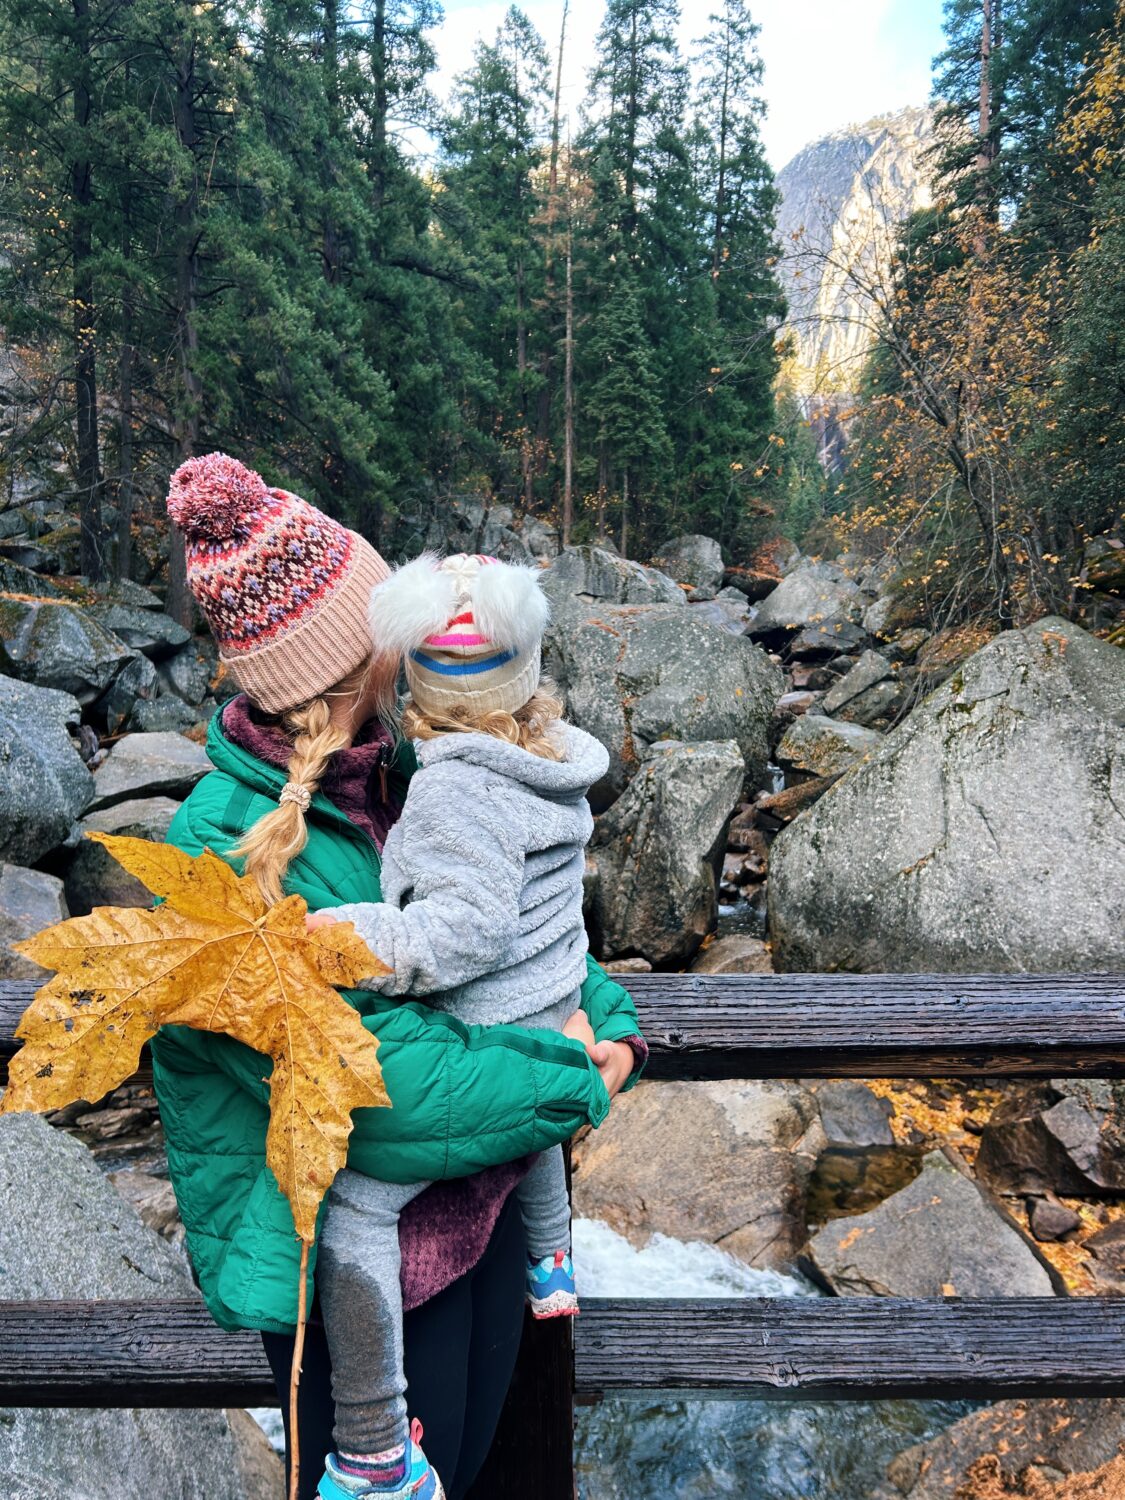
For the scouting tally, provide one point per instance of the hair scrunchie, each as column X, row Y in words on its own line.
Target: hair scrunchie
column 293, row 791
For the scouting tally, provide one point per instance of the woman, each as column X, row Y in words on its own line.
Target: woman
column 307, row 781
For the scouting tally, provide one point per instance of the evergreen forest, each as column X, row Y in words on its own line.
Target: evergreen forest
column 218, row 229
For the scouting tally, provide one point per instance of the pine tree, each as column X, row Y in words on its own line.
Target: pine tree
column 966, row 83
column 410, row 294
column 796, row 488
column 556, row 308
column 623, row 436
column 1047, row 48
column 292, row 324
column 56, row 90
column 491, row 151
column 641, row 256
column 1004, row 80
column 191, row 60
column 737, row 362
column 636, row 79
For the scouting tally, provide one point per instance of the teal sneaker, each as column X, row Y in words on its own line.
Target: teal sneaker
column 421, row 1482
column 550, row 1286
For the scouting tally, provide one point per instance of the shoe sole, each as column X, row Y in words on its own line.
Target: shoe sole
column 557, row 1305
column 439, row 1493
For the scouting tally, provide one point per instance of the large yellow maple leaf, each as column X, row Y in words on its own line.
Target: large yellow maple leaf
column 214, row 956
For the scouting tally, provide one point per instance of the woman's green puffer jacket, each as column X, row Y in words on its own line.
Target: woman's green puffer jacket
column 462, row 1097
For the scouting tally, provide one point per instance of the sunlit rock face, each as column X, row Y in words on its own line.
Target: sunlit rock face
column 843, row 200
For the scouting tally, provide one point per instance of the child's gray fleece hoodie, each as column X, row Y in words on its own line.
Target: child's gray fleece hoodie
column 482, row 879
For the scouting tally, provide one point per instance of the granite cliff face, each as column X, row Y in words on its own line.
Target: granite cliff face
column 843, row 199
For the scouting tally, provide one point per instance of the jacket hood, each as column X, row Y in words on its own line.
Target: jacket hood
column 586, row 760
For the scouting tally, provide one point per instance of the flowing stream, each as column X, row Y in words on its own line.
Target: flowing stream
column 640, row 1449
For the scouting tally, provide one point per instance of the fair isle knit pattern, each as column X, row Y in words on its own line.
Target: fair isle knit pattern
column 266, row 580
column 283, row 586
column 484, row 655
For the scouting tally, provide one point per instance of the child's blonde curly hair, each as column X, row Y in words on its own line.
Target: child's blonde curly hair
column 534, row 727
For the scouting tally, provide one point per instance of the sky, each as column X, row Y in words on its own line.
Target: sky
column 828, row 63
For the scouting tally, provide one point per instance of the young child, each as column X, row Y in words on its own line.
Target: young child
column 482, row 914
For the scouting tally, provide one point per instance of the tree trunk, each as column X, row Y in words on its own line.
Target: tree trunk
column 332, row 56
column 91, row 548
column 603, row 487
column 633, row 111
column 720, row 190
column 125, row 390
column 625, row 514
column 186, row 421
column 330, row 250
column 547, row 362
column 379, row 104
column 568, row 385
column 526, row 469
column 984, row 121
column 125, row 439
column 986, row 145
column 977, row 487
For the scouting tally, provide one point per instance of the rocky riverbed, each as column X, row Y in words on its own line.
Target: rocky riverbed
column 801, row 778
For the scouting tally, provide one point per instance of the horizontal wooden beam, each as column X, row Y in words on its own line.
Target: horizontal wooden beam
column 117, row 1353
column 852, row 1025
column 842, row 1348
column 831, row 1348
column 881, row 1025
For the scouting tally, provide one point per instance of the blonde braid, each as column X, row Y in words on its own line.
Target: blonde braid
column 276, row 839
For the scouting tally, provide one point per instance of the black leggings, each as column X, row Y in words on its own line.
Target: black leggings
column 461, row 1349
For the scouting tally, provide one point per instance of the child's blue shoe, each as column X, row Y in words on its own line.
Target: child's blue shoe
column 421, row 1483
column 550, row 1286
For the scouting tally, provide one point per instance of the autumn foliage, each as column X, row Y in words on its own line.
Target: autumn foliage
column 988, row 448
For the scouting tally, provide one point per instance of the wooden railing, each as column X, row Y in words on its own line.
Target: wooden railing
column 699, row 1027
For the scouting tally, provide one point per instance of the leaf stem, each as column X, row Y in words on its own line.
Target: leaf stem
column 295, row 1375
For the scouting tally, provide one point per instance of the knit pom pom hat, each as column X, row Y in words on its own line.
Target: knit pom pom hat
column 469, row 629
column 283, row 586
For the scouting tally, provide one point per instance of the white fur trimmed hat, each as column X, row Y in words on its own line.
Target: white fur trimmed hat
column 468, row 627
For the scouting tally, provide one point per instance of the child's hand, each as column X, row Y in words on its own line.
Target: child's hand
column 315, row 919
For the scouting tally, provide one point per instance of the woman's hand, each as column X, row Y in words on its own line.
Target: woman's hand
column 580, row 1029
column 613, row 1060
column 315, row 919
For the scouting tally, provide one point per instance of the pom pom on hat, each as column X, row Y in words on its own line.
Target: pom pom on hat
column 468, row 628
column 213, row 498
column 510, row 606
column 414, row 602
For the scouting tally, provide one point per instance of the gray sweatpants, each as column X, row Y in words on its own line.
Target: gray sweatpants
column 359, row 1284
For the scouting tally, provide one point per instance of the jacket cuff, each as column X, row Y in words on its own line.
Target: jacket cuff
column 640, row 1057
column 599, row 1098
